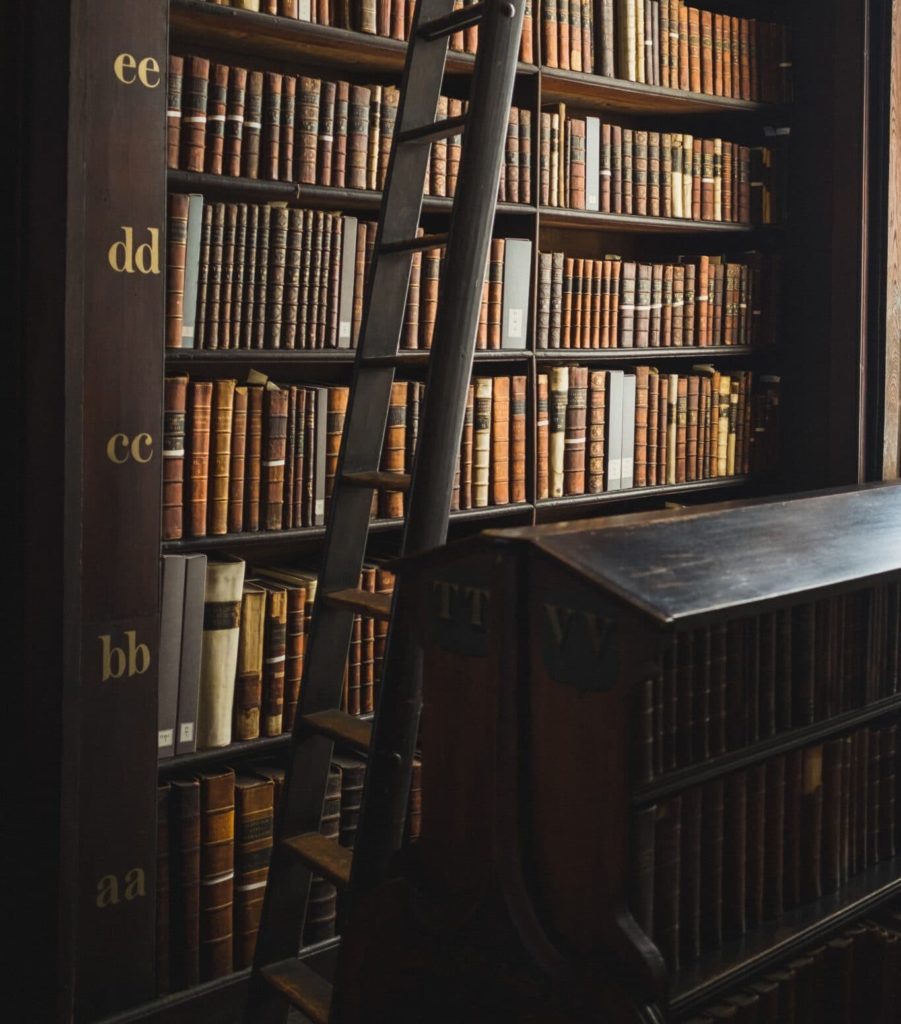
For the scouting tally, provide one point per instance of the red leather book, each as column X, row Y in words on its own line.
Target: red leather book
column 642, row 378
column 217, row 864
column 706, row 54
column 653, row 426
column 337, row 411
column 500, row 442
column 518, row 428
column 173, row 110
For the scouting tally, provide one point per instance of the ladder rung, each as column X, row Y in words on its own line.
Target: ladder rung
column 434, row 132
column 325, row 856
column 450, row 23
column 338, row 725
column 415, row 244
column 303, row 987
column 364, row 601
column 379, row 480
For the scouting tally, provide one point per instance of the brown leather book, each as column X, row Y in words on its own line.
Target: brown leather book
column 321, row 907
column 353, row 771
column 217, row 865
column 325, row 142
column 174, row 110
column 275, row 274
column 542, row 423
column 667, row 880
column 184, row 884
column 234, row 121
column 275, row 658
column 308, row 115
column 640, row 172
column 642, row 379
column 500, row 441
column 414, row 806
column 684, row 60
column 391, row 503
column 275, row 425
column 575, row 429
column 253, row 125
column 261, row 278
column 653, row 426
column 229, row 229
column 831, row 855
column 251, row 650
column 518, row 427
column 214, row 278
column 220, row 455
column 253, row 458
column 248, row 303
column 287, row 119
column 495, row 292
column 735, row 855
column 358, row 136
column 543, row 318
column 253, row 850
column 195, row 92
column 627, row 165
column 176, row 391
column 340, row 131
column 410, row 339
column 681, row 428
column 163, row 894
column 337, row 410
column 200, row 410
column 216, row 112
column 176, row 240
column 663, row 404
column 693, row 878
column 811, row 823
column 874, row 795
column 758, row 798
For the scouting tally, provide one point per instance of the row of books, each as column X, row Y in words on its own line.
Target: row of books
column 585, row 164
column 695, row 300
column 718, row 860
column 247, row 275
column 393, row 19
column 263, row 457
column 727, row 686
column 668, row 43
column 232, row 647
column 608, row 430
column 279, row 127
column 849, row 977
column 214, row 843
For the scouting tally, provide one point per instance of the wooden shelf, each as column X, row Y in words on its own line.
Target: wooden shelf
column 247, row 748
column 324, row 197
column 266, row 35
column 275, row 538
column 616, row 94
column 633, row 493
column 557, row 217
column 696, row 775
column 604, row 355
column 258, row 356
column 737, row 960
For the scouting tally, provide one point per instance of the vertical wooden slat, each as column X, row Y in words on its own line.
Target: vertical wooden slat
column 891, row 441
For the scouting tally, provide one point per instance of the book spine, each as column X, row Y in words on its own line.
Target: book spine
column 518, row 430
column 184, row 934
column 574, row 433
column 217, row 851
column 174, row 110
column 253, row 850
column 249, row 678
column 176, row 391
column 542, row 421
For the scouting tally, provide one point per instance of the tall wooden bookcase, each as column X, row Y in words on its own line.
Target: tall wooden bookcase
column 88, row 77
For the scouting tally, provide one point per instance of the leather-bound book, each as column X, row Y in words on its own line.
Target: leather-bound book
column 169, row 657
column 736, row 58
column 394, row 448
column 792, row 859
column 184, row 884
column 337, row 410
column 518, row 422
column 274, row 659
column 642, row 378
column 195, row 89
column 887, row 816
column 173, row 110
column 653, row 425
column 340, row 132
column 162, row 889
column 832, row 811
column 220, row 455
column 176, row 242
column 542, row 425
column 326, row 129
column 217, row 872
column 642, row 840
column 248, row 286
column 667, row 880
column 758, row 804
column 693, row 878
column 640, row 173
column 271, row 131
column 684, row 697
column 275, row 425
column 559, row 391
column 234, row 121
column 627, row 165
column 261, row 278
column 500, row 441
column 574, row 431
column 358, row 136
column 286, row 128
column 662, row 426
column 217, row 104
column 254, row 811
column 275, row 274
column 735, row 855
column 308, row 128
column 200, row 409
column 812, row 823
column 413, row 827
column 236, row 279
column 525, row 155
column 253, row 124
column 321, row 907
column 221, row 622
column 681, row 429
column 249, row 678
column 253, row 458
column 353, row 771
column 237, row 463
column 706, row 52
column 212, row 337
column 874, row 795
column 774, row 837
column 176, row 390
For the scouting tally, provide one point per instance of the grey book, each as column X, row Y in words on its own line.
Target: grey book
column 348, row 274
column 192, row 269
column 319, row 434
column 627, row 436
column 615, row 388
column 517, row 275
column 191, row 650
column 169, row 665
column 592, row 163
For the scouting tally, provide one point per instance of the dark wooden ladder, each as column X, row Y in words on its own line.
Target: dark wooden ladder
column 279, row 978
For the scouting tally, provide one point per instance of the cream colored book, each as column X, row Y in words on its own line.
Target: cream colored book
column 219, row 655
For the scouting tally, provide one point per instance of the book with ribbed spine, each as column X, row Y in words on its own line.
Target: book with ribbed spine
column 254, row 816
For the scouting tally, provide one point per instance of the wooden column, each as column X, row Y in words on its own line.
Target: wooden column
column 891, row 409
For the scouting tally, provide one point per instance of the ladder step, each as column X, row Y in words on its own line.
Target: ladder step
column 324, row 856
column 434, row 132
column 376, row 605
column 379, row 480
column 450, row 23
column 303, row 988
column 338, row 725
column 415, row 244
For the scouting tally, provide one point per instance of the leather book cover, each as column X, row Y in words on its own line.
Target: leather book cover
column 163, row 894
column 184, row 884
column 274, row 660
column 662, row 427
column 812, row 823
column 642, row 376
column 394, row 448
column 200, row 408
column 176, row 244
column 745, row 58
column 628, row 170
column 542, row 423
column 640, row 48
column 321, row 907
column 248, row 287
column 308, row 117
column 253, row 458
column 616, row 167
column 685, row 49
column 249, row 677
column 663, row 64
column 287, row 117
column 337, row 411
column 326, row 132
column 640, row 172
column 410, row 338
column 220, row 455
column 176, row 390
column 495, row 292
column 627, row 293
column 253, row 850
column 832, row 812
column 675, row 45
column 275, row 273
column 173, row 110
column 693, row 879
column 559, row 392
column 500, row 442
column 574, row 433
column 190, row 657
column 358, row 132
column 275, row 425
column 374, row 140
column 518, row 422
column 169, row 657
column 667, row 880
column 353, row 771
column 216, row 111
column 642, row 305
column 576, row 62
column 236, row 276
column 654, row 48
column 253, row 125
column 352, row 675
column 653, row 425
column 706, row 53
column 643, row 850
column 234, row 121
column 758, row 802
column 219, row 657
column 217, row 872
column 735, row 855
column 654, row 174
column 195, row 90
column 543, row 315
column 212, row 338
column 693, row 385
column 340, row 131
column 681, row 428
column 261, row 278
column 292, row 275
